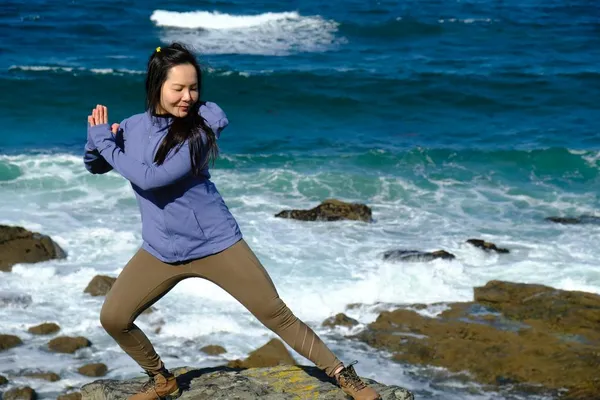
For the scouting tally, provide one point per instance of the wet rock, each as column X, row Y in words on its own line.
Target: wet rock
column 512, row 334
column 13, row 299
column 93, row 370
column 23, row 393
column 3, row 380
column 416, row 256
column 582, row 219
column 18, row 245
column 271, row 354
column 340, row 319
column 65, row 344
column 70, row 396
column 276, row 383
column 47, row 328
column 330, row 210
column 213, row 350
column 9, row 341
column 46, row 376
column 100, row 285
column 487, row 246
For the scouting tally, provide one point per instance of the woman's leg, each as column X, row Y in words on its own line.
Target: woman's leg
column 143, row 281
column 240, row 273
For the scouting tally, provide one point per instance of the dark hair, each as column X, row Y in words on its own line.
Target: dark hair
column 192, row 127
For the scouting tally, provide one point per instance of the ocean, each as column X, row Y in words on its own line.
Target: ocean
column 450, row 119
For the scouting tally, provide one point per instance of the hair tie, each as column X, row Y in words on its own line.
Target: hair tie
column 158, row 49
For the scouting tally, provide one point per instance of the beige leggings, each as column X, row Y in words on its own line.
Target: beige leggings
column 145, row 279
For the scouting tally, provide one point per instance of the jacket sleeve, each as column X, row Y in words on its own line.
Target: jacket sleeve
column 93, row 161
column 177, row 165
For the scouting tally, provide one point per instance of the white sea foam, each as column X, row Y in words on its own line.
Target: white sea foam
column 267, row 34
column 319, row 268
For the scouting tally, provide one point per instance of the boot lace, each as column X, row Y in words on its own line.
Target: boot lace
column 348, row 377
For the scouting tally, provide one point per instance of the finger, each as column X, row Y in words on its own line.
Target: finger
column 105, row 115
column 95, row 115
column 90, row 120
column 100, row 117
column 114, row 128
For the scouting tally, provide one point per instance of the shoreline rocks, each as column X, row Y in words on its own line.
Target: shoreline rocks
column 330, row 210
column 511, row 334
column 18, row 245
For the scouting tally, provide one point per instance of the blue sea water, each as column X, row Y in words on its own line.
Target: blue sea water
column 450, row 119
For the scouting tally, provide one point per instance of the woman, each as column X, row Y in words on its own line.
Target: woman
column 187, row 229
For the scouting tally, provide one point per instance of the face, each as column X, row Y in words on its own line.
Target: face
column 180, row 91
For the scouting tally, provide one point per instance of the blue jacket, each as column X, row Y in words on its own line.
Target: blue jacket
column 183, row 216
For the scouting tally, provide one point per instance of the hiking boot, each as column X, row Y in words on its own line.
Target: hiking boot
column 161, row 386
column 352, row 385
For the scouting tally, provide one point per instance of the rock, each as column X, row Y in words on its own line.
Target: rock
column 70, row 396
column 46, row 376
column 276, row 383
column 100, row 285
column 3, row 380
column 582, row 219
column 330, row 210
column 9, row 341
column 213, row 350
column 340, row 319
column 271, row 354
column 65, row 344
column 23, row 393
column 18, row 245
column 512, row 334
column 47, row 328
column 487, row 246
column 415, row 255
column 13, row 299
column 93, row 370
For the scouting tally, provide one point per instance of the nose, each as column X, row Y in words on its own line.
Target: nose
column 187, row 96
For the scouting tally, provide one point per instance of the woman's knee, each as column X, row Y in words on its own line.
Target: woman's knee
column 113, row 320
column 275, row 315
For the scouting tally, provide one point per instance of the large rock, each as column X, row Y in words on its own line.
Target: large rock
column 417, row 256
column 94, row 370
column 65, row 344
column 3, row 380
column 100, row 285
column 516, row 334
column 70, row 396
column 21, row 393
column 46, row 376
column 330, row 210
column 276, row 383
column 47, row 328
column 271, row 354
column 213, row 350
column 18, row 245
column 9, row 341
column 340, row 319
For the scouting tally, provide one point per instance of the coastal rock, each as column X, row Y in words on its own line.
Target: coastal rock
column 18, row 245
column 416, row 256
column 518, row 334
column 100, row 285
column 3, row 380
column 213, row 350
column 340, row 319
column 65, row 344
column 487, row 246
column 47, row 328
column 582, row 219
column 9, row 341
column 70, row 396
column 330, row 210
column 46, row 376
column 93, row 370
column 22, row 393
column 271, row 354
column 276, row 383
